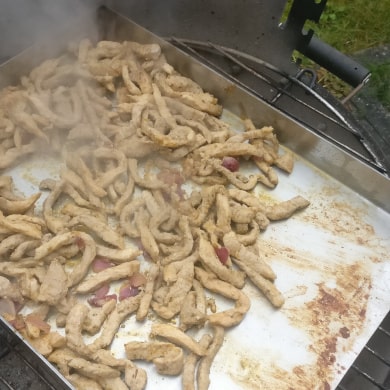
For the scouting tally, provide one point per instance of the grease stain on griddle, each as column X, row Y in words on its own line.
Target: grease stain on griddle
column 340, row 216
column 333, row 317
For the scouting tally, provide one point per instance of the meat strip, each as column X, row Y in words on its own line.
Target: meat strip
column 118, row 272
column 178, row 337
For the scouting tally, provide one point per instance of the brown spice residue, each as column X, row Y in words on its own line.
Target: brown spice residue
column 344, row 332
column 335, row 314
column 332, row 321
column 342, row 219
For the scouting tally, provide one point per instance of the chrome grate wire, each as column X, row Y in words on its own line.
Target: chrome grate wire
column 279, row 84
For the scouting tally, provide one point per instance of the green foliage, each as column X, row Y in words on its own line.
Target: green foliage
column 352, row 26
column 380, row 82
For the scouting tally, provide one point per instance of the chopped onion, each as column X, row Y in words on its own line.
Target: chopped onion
column 36, row 321
column 99, row 302
column 137, row 280
column 18, row 322
column 102, row 291
column 7, row 307
column 223, row 254
column 100, row 264
column 127, row 292
column 231, row 163
column 80, row 243
column 171, row 177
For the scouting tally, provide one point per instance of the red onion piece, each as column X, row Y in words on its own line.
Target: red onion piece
column 80, row 243
column 173, row 178
column 102, row 291
column 7, row 307
column 36, row 321
column 223, row 254
column 137, row 280
column 127, row 292
column 18, row 322
column 231, row 163
column 99, row 302
column 100, row 264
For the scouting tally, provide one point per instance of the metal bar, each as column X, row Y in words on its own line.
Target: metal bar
column 230, row 53
column 376, row 354
column 376, row 163
column 368, row 377
column 6, row 384
column 383, row 330
column 354, row 92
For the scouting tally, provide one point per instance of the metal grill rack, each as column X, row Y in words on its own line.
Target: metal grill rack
column 297, row 96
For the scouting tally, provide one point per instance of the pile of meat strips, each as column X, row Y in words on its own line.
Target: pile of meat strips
column 151, row 209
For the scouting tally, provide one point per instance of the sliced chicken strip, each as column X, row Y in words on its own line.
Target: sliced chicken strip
column 60, row 357
column 160, row 236
column 113, row 322
column 251, row 236
column 190, row 315
column 151, row 183
column 219, row 150
column 287, row 208
column 118, row 255
column 18, row 206
column 167, row 357
column 184, row 247
column 54, row 223
column 208, row 198
column 228, row 317
column 82, row 383
column 135, row 377
column 147, row 296
column 54, row 286
column 177, row 337
column 78, row 165
column 191, row 361
column 24, row 249
column 265, row 285
column 211, row 261
column 92, row 370
column 125, row 197
column 110, row 176
column 113, row 384
column 96, row 316
column 74, row 328
column 142, row 218
column 243, row 254
column 111, row 274
column 126, row 219
column 285, row 162
column 176, row 294
column 13, row 223
column 101, row 229
column 247, row 198
column 10, row 243
column 203, row 375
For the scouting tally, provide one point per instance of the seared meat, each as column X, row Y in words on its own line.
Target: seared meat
column 167, row 357
column 54, row 286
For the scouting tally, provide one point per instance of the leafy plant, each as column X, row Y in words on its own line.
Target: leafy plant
column 350, row 27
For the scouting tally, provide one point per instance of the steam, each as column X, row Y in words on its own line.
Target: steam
column 25, row 22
